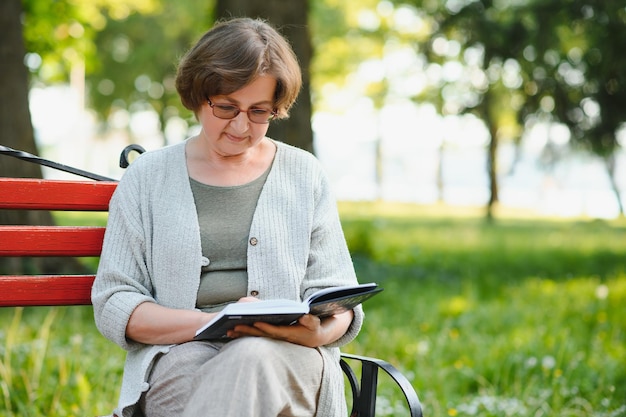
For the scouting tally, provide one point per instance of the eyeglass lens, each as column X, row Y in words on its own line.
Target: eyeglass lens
column 255, row 114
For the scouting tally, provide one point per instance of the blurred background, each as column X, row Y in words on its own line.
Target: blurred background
column 465, row 102
column 476, row 148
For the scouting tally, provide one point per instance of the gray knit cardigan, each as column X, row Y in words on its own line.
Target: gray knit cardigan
column 152, row 253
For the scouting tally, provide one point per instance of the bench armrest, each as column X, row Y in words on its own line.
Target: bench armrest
column 364, row 393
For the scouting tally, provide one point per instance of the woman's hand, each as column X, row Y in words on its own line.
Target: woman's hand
column 309, row 331
column 154, row 324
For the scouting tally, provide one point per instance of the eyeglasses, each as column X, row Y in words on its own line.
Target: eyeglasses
column 255, row 114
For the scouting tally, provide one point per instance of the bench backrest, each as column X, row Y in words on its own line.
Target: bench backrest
column 44, row 241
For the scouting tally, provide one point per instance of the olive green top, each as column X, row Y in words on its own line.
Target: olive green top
column 225, row 215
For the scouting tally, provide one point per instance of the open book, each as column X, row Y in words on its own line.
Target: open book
column 322, row 303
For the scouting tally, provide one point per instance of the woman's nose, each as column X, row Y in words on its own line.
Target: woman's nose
column 241, row 122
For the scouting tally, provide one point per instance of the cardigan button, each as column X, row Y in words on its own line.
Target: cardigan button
column 205, row 261
column 254, row 241
column 254, row 293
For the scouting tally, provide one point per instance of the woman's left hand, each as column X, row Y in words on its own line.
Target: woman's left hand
column 309, row 331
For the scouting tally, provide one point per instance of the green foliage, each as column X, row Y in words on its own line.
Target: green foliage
column 522, row 317
column 566, row 55
column 125, row 51
column 339, row 44
column 62, row 32
column 137, row 58
column 348, row 34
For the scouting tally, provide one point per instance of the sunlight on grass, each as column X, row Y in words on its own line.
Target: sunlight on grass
column 54, row 363
column 520, row 346
column 520, row 318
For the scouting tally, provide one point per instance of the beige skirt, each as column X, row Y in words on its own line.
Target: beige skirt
column 250, row 376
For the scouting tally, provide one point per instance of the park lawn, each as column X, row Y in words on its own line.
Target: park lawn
column 522, row 317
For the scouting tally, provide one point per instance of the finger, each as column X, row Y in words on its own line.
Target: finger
column 269, row 329
column 293, row 333
column 310, row 321
column 244, row 330
column 296, row 333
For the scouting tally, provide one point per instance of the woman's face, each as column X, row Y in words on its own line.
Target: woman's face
column 237, row 135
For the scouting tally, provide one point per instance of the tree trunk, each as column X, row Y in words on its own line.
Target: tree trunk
column 379, row 160
column 16, row 131
column 609, row 163
column 290, row 18
column 441, row 150
column 492, row 154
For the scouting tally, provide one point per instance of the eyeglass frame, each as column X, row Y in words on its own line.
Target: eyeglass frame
column 273, row 113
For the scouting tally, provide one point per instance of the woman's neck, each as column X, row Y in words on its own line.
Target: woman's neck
column 208, row 167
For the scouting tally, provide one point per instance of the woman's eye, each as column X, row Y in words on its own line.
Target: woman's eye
column 227, row 108
column 260, row 111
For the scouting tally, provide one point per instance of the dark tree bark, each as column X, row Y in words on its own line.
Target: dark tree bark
column 290, row 18
column 16, row 131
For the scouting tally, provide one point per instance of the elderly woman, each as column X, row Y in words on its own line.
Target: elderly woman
column 226, row 216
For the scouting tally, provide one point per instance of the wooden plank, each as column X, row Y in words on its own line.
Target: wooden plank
column 37, row 194
column 45, row 290
column 51, row 240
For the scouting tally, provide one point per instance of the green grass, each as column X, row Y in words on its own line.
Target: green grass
column 523, row 317
column 53, row 362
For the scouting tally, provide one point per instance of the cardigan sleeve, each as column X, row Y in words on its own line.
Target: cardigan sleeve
column 121, row 282
column 329, row 261
column 151, row 250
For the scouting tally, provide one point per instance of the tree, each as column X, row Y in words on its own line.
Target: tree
column 558, row 61
column 576, row 73
column 16, row 130
column 363, row 37
column 136, row 63
column 53, row 39
column 50, row 44
column 291, row 18
column 488, row 39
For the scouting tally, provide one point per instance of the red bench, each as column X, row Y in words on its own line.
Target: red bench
column 80, row 241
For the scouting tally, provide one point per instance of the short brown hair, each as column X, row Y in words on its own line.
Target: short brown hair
column 233, row 54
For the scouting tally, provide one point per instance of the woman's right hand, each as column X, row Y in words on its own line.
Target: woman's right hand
column 154, row 324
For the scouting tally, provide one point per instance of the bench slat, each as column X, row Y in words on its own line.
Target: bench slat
column 37, row 194
column 45, row 290
column 51, row 240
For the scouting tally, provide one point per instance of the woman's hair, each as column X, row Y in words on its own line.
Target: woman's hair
column 233, row 54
